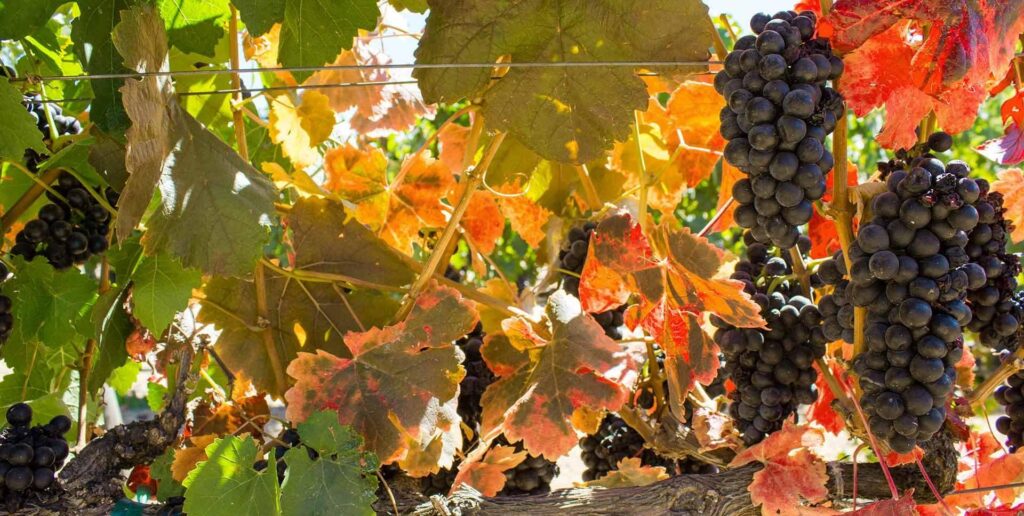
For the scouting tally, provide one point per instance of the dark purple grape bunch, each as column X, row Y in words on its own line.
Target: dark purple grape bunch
column 571, row 258
column 615, row 440
column 532, row 476
column 30, row 456
column 1011, row 396
column 69, row 229
column 910, row 271
column 779, row 109
column 997, row 315
column 62, row 123
column 478, row 378
column 773, row 368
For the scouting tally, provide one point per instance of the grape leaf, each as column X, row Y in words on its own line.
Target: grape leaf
column 544, row 384
column 312, row 33
column 372, row 391
column 49, row 305
column 483, row 222
column 630, row 472
column 947, row 64
column 160, row 470
column 674, row 292
column 259, row 15
column 227, row 485
column 186, row 459
column 714, row 429
column 1005, row 469
column 1011, row 184
column 95, row 49
column 237, row 416
column 299, row 129
column 484, row 469
column 20, row 18
column 525, row 216
column 194, row 26
column 18, row 132
column 568, row 114
column 340, row 481
column 1007, row 149
column 791, row 471
column 113, row 325
column 452, row 142
column 416, row 6
column 161, row 288
column 903, row 506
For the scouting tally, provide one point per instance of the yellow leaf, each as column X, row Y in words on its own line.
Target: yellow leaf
column 299, row 129
column 298, row 179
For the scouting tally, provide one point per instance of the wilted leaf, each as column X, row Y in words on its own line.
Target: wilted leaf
column 791, row 471
column 372, row 391
column 1011, row 185
column 139, row 344
column 540, row 392
column 227, row 485
column 630, row 472
column 486, row 472
column 903, row 506
column 300, row 129
column 565, row 114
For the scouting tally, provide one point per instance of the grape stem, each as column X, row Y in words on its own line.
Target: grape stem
column 800, row 269
column 1005, row 370
column 593, row 199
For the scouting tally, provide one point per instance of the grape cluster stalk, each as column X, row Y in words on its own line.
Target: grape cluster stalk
column 773, row 368
column 911, row 273
column 30, row 455
column 779, row 110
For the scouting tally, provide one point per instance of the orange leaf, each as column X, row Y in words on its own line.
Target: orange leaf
column 904, row 506
column 1011, row 185
column 898, row 459
column 486, row 472
column 630, row 472
column 1006, row 469
column 299, row 129
column 524, row 215
column 545, row 382
column 483, row 221
column 791, row 471
column 185, row 459
column 372, row 391
column 452, row 139
column 235, row 417
column 140, row 477
column 730, row 175
column 714, row 429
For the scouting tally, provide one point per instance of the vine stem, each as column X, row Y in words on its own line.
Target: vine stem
column 718, row 215
column 716, row 40
column 25, row 201
column 243, row 150
column 474, row 180
column 655, row 372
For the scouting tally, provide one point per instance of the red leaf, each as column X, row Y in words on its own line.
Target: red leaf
column 904, row 506
column 791, row 471
column 944, row 68
column 140, row 477
column 1013, row 109
column 486, row 473
column 139, row 344
column 821, row 410
column 1007, row 149
column 483, row 221
column 1005, row 469
column 1002, row 510
column 898, row 459
column 1011, row 185
column 547, row 386
column 378, row 397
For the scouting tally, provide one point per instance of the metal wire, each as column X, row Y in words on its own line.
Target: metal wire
column 389, row 66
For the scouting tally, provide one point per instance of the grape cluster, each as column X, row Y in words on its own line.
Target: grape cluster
column 773, row 368
column 532, row 476
column 615, row 440
column 1011, row 396
column 62, row 123
column 910, row 271
column 778, row 112
column 996, row 316
column 478, row 377
column 30, row 456
column 67, row 230
column 571, row 257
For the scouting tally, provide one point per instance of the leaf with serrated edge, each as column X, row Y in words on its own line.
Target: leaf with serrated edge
column 259, row 15
column 485, row 472
column 194, row 26
column 48, row 305
column 161, row 288
column 630, row 472
column 791, row 470
column 301, row 128
column 227, row 485
column 568, row 114
column 186, row 459
column 313, row 32
column 18, row 132
column 160, row 470
column 371, row 391
column 535, row 400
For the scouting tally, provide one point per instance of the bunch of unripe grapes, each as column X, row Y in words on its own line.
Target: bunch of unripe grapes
column 910, row 271
column 30, row 455
column 777, row 115
column 773, row 368
column 997, row 315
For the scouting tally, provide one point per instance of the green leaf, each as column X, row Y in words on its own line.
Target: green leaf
column 260, row 15
column 95, row 49
column 75, row 158
column 48, row 305
column 160, row 470
column 124, row 258
column 226, row 483
column 33, row 376
column 124, row 377
column 564, row 114
column 162, row 288
column 340, row 481
column 18, row 130
column 113, row 326
column 196, row 25
column 19, row 18
column 314, row 32
column 155, row 393
column 416, row 6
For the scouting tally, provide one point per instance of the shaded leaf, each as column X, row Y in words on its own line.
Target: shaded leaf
column 113, row 325
column 372, row 391
column 95, row 50
column 484, row 469
column 630, row 473
column 20, row 18
column 226, row 483
column 541, row 392
column 18, row 132
column 194, row 26
column 567, row 114
column 791, row 471
column 312, row 33
column 160, row 470
column 259, row 15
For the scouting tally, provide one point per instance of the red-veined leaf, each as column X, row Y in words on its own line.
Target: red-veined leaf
column 903, row 506
column 791, row 473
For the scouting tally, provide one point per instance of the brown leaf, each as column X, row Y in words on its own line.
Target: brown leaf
column 185, row 459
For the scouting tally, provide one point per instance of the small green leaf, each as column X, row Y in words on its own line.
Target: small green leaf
column 113, row 326
column 19, row 18
column 162, row 288
column 160, row 470
column 155, row 396
column 75, row 157
column 196, row 25
column 260, row 15
column 124, row 377
column 95, row 49
column 48, row 305
column 227, row 485
column 18, row 130
column 33, row 375
column 314, row 32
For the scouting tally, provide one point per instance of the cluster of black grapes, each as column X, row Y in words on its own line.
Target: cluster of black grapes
column 30, row 456
column 997, row 316
column 773, row 368
column 478, row 377
column 1011, row 396
column 64, row 125
column 571, row 257
column 910, row 270
column 615, row 440
column 777, row 115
